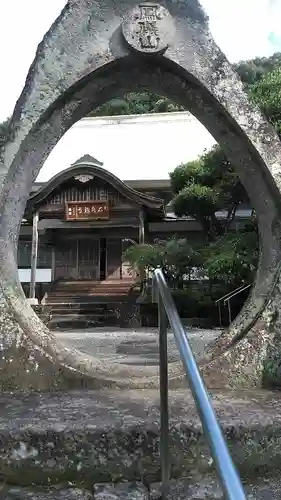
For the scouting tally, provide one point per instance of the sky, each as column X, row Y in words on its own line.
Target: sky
column 242, row 28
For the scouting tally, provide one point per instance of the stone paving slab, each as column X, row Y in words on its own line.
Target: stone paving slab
column 200, row 488
column 124, row 491
column 113, row 435
column 14, row 493
column 208, row 488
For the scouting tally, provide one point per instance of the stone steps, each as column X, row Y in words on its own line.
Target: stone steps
column 83, row 304
column 82, row 315
column 90, row 291
column 63, row 315
column 89, row 304
column 89, row 314
column 82, row 307
column 55, row 298
column 74, row 289
column 82, row 319
column 93, row 288
column 67, row 283
column 80, row 300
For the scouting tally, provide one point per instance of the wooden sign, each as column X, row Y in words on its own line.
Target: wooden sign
column 86, row 210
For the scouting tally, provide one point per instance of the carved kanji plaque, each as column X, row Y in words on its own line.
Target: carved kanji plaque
column 149, row 28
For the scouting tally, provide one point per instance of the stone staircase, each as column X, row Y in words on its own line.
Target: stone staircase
column 83, row 304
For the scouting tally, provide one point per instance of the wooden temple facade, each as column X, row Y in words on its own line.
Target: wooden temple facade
column 77, row 227
column 75, row 230
column 78, row 224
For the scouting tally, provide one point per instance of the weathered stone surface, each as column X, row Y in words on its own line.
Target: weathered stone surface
column 192, row 488
column 69, row 77
column 183, row 488
column 44, row 312
column 113, row 436
column 15, row 493
column 256, row 357
column 208, row 488
column 121, row 491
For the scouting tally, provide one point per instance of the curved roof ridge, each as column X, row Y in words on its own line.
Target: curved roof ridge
column 87, row 158
column 145, row 196
column 91, row 168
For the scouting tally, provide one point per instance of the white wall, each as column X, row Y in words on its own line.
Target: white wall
column 132, row 147
column 42, row 275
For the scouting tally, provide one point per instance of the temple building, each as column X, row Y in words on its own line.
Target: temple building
column 78, row 224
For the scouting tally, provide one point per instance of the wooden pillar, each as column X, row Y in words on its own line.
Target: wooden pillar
column 34, row 254
column 147, row 238
column 141, row 242
column 141, row 227
column 53, row 263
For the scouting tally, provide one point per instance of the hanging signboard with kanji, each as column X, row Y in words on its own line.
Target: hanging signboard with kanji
column 86, row 210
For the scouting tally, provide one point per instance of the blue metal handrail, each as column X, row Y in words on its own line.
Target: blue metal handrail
column 167, row 313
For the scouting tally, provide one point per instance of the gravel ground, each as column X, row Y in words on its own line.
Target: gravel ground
column 132, row 346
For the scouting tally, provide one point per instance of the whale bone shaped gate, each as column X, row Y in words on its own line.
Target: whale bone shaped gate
column 91, row 54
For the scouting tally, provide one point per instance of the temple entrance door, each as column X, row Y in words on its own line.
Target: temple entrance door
column 88, row 259
column 66, row 260
column 114, row 250
column 78, row 260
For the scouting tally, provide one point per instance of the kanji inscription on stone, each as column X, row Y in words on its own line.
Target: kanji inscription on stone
column 149, row 27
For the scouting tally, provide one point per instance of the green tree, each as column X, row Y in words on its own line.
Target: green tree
column 253, row 70
column 232, row 258
column 174, row 256
column 136, row 104
column 266, row 93
column 202, row 188
column 4, row 129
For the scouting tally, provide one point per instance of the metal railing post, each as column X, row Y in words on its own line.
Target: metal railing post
column 219, row 306
column 164, row 402
column 229, row 311
column 168, row 314
column 154, row 292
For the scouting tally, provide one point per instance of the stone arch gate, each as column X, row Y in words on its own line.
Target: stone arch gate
column 92, row 53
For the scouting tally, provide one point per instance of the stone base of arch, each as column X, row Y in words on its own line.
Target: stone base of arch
column 250, row 358
column 245, row 361
column 24, row 366
column 36, row 361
